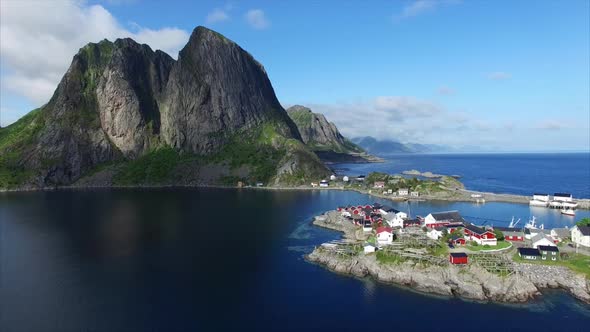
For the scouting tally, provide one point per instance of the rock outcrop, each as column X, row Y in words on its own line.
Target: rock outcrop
column 121, row 101
column 318, row 133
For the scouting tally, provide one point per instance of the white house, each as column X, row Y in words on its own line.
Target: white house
column 562, row 197
column 435, row 233
column 369, row 248
column 403, row 192
column 367, row 227
column 332, row 177
column 360, row 178
column 541, row 197
column 541, row 240
column 324, row 183
column 314, row 184
column 415, row 194
column 384, row 235
column 581, row 235
column 393, row 220
column 345, row 178
column 529, row 233
column 379, row 184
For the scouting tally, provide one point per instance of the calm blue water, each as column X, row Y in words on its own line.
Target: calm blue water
column 512, row 173
column 211, row 259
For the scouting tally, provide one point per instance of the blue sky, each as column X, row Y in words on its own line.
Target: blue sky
column 503, row 75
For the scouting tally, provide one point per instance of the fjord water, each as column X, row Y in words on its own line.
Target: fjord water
column 214, row 259
column 510, row 173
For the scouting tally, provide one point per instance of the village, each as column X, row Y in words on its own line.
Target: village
column 384, row 240
column 381, row 225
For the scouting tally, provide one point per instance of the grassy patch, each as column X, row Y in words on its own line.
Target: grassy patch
column 155, row 167
column 501, row 245
column 385, row 258
column 440, row 250
column 576, row 262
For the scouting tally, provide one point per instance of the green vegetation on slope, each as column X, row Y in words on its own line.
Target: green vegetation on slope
column 156, row 167
column 14, row 140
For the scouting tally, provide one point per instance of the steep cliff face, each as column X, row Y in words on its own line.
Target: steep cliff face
column 119, row 102
column 318, row 133
column 216, row 88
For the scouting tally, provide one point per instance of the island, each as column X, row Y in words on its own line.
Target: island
column 443, row 254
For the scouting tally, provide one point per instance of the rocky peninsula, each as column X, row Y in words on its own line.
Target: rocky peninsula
column 471, row 282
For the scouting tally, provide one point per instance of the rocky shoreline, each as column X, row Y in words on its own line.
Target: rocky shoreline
column 457, row 196
column 469, row 282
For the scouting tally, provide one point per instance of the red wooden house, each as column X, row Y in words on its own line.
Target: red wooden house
column 480, row 235
column 458, row 258
column 458, row 240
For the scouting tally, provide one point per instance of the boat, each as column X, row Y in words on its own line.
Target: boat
column 532, row 224
column 568, row 212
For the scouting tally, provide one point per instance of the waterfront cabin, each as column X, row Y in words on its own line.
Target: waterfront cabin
column 563, row 197
column 458, row 258
column 384, row 235
column 393, row 220
column 360, row 178
column 378, row 184
column 458, row 240
column 542, row 240
column 531, row 254
column 513, row 236
column 581, row 235
column 324, row 183
column 443, row 218
column 259, row 184
column 415, row 194
column 435, row 233
column 403, row 192
column 549, row 253
column 560, row 234
column 480, row 235
column 314, row 184
column 412, row 223
column 369, row 248
column 332, row 177
column 345, row 178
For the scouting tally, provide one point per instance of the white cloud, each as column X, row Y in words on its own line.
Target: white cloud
column 499, row 75
column 37, row 47
column 217, row 15
column 257, row 19
column 552, row 124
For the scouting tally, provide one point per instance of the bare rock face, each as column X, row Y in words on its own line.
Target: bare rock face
column 215, row 89
column 129, row 95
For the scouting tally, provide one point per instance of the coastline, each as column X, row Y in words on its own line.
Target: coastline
column 459, row 195
column 471, row 282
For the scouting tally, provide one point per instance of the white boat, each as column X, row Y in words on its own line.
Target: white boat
column 568, row 212
column 532, row 224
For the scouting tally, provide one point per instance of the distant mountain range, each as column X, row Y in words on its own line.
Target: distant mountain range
column 383, row 147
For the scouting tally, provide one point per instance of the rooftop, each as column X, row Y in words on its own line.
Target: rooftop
column 447, row 216
column 458, row 254
column 548, row 248
column 529, row 252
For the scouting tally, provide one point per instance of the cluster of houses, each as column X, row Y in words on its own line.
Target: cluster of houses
column 402, row 192
column 383, row 220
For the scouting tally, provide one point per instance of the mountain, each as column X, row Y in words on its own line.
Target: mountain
column 126, row 115
column 318, row 133
column 384, row 147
